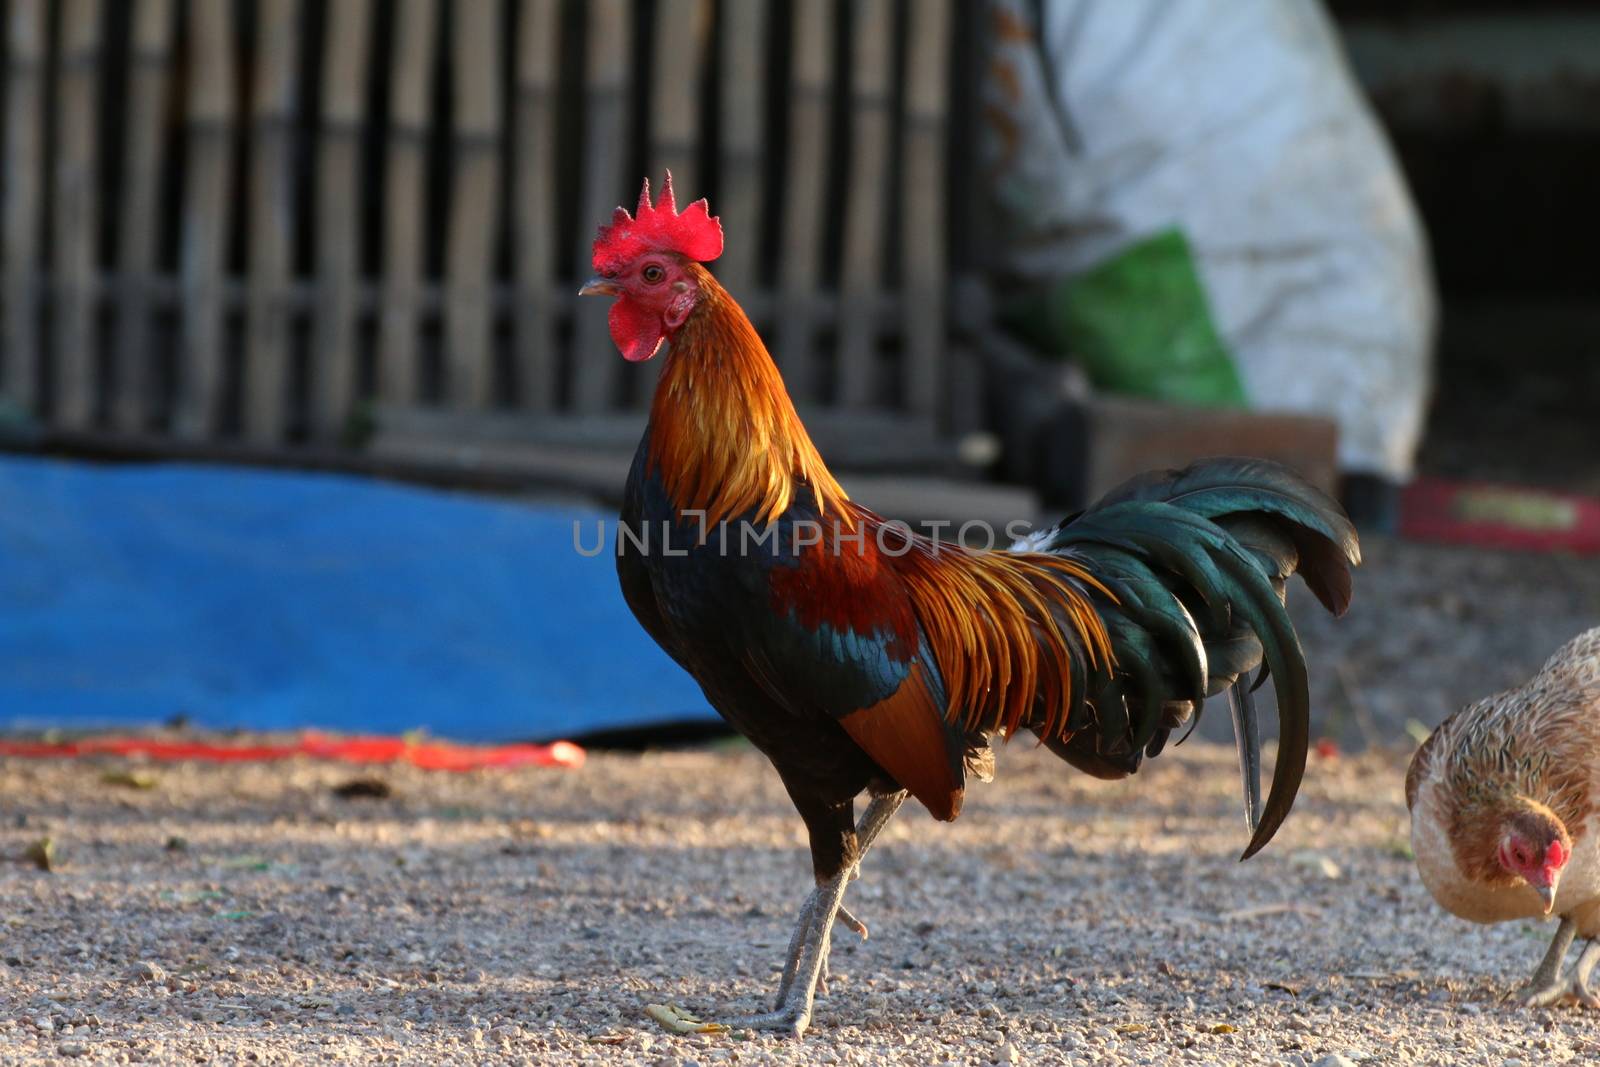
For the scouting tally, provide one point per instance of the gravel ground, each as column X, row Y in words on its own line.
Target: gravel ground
column 241, row 914
column 199, row 913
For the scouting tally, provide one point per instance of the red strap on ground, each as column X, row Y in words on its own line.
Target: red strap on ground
column 1499, row 516
column 429, row 755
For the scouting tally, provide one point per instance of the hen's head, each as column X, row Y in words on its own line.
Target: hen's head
column 1534, row 847
column 644, row 261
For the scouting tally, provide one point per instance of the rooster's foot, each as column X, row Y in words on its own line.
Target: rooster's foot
column 792, row 1021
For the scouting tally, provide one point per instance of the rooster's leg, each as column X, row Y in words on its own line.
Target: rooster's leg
column 808, row 957
column 793, row 1012
column 1546, row 987
column 873, row 820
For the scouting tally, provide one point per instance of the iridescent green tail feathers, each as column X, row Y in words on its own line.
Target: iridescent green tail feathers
column 1197, row 561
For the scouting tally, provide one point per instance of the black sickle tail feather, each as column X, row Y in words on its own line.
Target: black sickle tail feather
column 1198, row 560
column 1247, row 738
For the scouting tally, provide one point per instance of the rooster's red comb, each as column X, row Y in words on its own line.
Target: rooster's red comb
column 695, row 234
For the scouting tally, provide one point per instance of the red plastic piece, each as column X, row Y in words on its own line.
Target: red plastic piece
column 429, row 755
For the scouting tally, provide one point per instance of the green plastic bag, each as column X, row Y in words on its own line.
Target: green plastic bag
column 1139, row 324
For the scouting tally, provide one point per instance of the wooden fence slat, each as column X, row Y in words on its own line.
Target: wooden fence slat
column 73, row 254
column 205, row 220
column 922, row 196
column 405, row 171
column 333, row 333
column 474, row 196
column 743, row 107
column 610, row 31
column 799, row 271
column 680, row 45
column 268, row 318
column 24, row 159
column 533, row 203
column 137, row 224
column 866, row 206
column 680, row 41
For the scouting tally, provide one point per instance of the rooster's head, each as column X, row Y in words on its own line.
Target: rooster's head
column 644, row 261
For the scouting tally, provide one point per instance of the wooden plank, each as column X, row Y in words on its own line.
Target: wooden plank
column 1130, row 435
column 681, row 28
column 24, row 159
column 474, row 198
column 533, row 202
column 333, row 334
column 805, row 178
column 268, row 316
column 411, row 65
column 205, row 218
column 866, row 214
column 595, row 363
column 922, row 198
column 75, row 210
column 742, row 109
column 149, row 63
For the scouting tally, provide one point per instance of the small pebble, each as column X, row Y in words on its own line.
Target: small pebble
column 146, row 971
column 72, row 1048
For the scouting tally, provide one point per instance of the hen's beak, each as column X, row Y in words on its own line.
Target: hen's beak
column 600, row 286
column 1547, row 893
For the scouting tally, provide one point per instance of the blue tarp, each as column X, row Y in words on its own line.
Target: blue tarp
column 271, row 600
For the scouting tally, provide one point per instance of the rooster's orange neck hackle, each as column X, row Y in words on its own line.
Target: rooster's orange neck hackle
column 724, row 435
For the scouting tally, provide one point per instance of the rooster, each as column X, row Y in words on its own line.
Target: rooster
column 860, row 657
column 1502, row 796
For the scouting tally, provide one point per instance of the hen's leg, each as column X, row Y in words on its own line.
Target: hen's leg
column 1546, row 986
column 873, row 820
column 1579, row 983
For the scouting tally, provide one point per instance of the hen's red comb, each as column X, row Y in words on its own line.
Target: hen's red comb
column 695, row 234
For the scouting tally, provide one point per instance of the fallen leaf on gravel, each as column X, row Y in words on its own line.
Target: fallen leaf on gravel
column 42, row 854
column 130, row 779
column 1130, row 1028
column 1284, row 987
column 681, row 1022
column 1313, row 860
column 606, row 1039
column 235, row 915
column 1222, row 1028
column 249, row 863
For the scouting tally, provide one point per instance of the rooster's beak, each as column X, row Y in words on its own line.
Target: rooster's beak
column 600, row 286
column 1547, row 893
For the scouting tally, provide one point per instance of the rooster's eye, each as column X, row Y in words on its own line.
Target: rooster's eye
column 654, row 274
